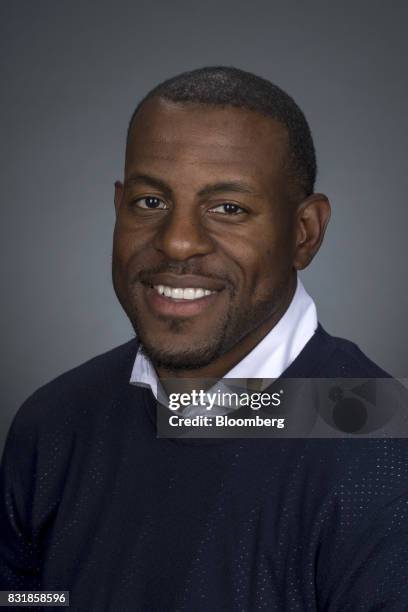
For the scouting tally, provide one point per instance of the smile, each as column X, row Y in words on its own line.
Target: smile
column 181, row 293
column 166, row 301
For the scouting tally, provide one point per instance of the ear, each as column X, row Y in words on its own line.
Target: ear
column 312, row 217
column 118, row 195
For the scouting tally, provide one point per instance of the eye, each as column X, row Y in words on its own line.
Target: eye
column 230, row 209
column 149, row 203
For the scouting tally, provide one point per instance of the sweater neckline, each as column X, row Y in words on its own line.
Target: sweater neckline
column 306, row 365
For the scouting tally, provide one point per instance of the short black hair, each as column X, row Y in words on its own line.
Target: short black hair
column 229, row 86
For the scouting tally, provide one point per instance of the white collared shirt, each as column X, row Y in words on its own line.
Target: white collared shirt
column 267, row 360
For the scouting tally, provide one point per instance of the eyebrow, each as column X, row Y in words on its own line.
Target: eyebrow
column 207, row 190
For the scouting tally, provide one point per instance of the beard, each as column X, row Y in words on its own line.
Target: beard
column 176, row 358
column 202, row 351
column 179, row 349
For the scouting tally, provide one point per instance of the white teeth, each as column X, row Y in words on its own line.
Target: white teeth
column 177, row 293
column 188, row 294
column 182, row 294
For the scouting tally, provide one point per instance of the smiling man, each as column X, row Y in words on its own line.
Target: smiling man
column 217, row 199
column 215, row 215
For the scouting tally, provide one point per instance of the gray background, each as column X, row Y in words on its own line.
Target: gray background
column 72, row 72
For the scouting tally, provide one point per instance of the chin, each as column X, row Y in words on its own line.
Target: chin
column 176, row 358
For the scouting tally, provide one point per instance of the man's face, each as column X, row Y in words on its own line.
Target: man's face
column 204, row 205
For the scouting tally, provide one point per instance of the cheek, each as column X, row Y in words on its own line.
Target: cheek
column 263, row 257
column 120, row 251
column 266, row 266
column 126, row 243
column 122, row 256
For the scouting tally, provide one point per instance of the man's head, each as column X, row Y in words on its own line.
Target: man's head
column 217, row 195
column 225, row 86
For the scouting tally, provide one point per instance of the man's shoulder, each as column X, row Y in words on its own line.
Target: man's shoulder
column 101, row 370
column 91, row 382
column 327, row 356
column 351, row 361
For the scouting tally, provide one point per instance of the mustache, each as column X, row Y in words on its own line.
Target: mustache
column 182, row 268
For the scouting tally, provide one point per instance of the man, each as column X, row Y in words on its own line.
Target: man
column 215, row 216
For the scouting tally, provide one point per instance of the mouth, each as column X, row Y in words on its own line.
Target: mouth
column 183, row 293
column 165, row 300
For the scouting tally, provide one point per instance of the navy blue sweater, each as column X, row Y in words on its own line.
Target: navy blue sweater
column 91, row 501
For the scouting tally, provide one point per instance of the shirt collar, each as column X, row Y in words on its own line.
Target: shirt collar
column 268, row 359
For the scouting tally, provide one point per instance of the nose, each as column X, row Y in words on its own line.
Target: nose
column 182, row 234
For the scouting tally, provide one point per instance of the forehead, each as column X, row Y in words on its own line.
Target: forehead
column 211, row 139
